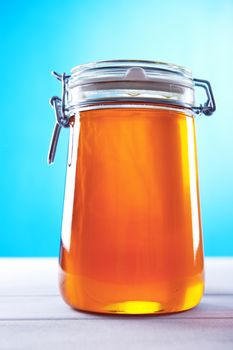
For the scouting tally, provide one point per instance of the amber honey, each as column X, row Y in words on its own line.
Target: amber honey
column 131, row 236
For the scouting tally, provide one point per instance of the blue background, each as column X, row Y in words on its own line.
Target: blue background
column 37, row 37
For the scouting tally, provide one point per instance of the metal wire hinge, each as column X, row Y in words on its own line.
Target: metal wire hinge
column 209, row 106
column 61, row 115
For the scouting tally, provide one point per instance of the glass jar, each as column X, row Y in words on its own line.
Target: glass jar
column 131, row 234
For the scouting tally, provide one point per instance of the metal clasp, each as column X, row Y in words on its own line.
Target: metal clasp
column 62, row 118
column 209, row 106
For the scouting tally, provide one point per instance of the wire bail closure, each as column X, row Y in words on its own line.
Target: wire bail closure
column 62, row 115
column 62, row 118
column 209, row 106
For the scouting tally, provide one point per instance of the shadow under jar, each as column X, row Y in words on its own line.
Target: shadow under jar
column 131, row 233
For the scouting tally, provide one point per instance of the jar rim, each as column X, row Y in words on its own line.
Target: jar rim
column 124, row 63
column 129, row 70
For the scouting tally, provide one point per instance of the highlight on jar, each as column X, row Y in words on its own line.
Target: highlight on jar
column 131, row 240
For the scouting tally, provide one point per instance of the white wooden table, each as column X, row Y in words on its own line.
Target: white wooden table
column 33, row 315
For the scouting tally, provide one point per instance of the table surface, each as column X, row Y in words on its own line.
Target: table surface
column 34, row 316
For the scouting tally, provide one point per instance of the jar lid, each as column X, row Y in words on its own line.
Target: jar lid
column 130, row 81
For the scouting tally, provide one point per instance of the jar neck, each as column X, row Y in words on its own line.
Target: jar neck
column 133, row 105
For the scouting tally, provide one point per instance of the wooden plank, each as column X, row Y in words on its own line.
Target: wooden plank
column 117, row 333
column 29, row 276
column 53, row 308
column 219, row 275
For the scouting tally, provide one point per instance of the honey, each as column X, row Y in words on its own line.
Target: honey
column 131, row 236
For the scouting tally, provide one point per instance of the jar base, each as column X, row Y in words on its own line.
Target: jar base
column 138, row 307
column 135, row 308
column 166, row 300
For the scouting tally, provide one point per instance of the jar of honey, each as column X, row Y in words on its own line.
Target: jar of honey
column 131, row 233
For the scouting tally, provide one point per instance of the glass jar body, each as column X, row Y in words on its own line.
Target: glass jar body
column 131, row 234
